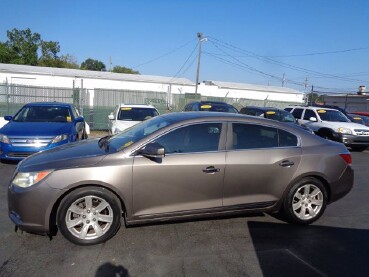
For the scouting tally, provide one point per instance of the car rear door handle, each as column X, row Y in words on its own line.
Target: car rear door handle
column 286, row 163
column 211, row 169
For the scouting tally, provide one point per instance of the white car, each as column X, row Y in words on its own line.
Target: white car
column 2, row 122
column 125, row 116
column 332, row 124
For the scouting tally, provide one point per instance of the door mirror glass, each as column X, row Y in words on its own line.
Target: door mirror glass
column 313, row 119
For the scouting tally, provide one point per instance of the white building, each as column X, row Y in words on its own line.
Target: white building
column 91, row 80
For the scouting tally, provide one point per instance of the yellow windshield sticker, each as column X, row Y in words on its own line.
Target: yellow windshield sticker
column 126, row 109
column 357, row 118
column 270, row 112
column 127, row 144
column 69, row 119
column 322, row 111
column 205, row 106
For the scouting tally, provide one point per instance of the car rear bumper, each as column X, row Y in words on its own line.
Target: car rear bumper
column 343, row 185
column 30, row 208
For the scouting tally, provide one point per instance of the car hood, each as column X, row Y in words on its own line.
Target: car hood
column 35, row 128
column 348, row 125
column 78, row 154
column 122, row 124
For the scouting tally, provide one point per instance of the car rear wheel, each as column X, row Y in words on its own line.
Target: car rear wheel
column 305, row 201
column 89, row 215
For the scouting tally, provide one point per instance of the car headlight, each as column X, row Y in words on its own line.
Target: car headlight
column 4, row 139
column 27, row 179
column 60, row 138
column 344, row 131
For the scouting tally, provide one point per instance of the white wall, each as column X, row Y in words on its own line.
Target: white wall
column 43, row 80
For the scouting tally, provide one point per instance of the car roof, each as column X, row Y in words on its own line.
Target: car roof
column 60, row 104
column 211, row 102
column 312, row 107
column 263, row 108
column 137, row 106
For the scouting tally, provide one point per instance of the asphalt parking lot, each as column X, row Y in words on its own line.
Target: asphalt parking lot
column 258, row 245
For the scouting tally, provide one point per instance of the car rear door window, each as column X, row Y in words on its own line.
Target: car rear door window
column 193, row 138
column 297, row 113
column 249, row 136
column 309, row 113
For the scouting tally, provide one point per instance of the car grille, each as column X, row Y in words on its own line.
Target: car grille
column 362, row 132
column 19, row 154
column 30, row 141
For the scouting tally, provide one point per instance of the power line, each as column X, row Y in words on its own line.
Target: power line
column 320, row 53
column 183, row 65
column 266, row 59
column 164, row 55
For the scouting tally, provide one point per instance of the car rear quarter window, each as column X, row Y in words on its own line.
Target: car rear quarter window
column 286, row 139
column 250, row 136
column 297, row 113
column 193, row 138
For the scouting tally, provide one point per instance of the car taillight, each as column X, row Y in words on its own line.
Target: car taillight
column 347, row 158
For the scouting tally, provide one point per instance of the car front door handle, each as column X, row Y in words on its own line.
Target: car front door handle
column 286, row 163
column 211, row 169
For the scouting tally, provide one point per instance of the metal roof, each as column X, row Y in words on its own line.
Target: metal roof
column 78, row 73
column 244, row 86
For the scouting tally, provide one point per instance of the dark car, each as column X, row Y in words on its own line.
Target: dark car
column 269, row 113
column 40, row 126
column 361, row 119
column 178, row 166
column 210, row 106
column 273, row 114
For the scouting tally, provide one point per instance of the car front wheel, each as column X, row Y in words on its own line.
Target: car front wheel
column 89, row 215
column 305, row 201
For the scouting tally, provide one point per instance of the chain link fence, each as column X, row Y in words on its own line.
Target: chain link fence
column 13, row 97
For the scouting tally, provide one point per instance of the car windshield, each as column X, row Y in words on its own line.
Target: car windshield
column 359, row 119
column 218, row 108
column 43, row 114
column 136, row 133
column 287, row 117
column 136, row 114
column 332, row 115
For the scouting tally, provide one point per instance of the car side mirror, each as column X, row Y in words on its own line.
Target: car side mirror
column 8, row 117
column 111, row 116
column 79, row 119
column 153, row 150
column 313, row 119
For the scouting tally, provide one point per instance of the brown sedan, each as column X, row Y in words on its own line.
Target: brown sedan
column 175, row 166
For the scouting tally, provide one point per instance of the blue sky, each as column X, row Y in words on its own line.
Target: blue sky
column 248, row 41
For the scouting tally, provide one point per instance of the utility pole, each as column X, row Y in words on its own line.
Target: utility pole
column 199, row 35
column 283, row 79
column 110, row 63
column 306, row 83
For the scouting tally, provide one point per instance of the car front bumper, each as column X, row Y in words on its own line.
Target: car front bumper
column 352, row 140
column 15, row 153
column 30, row 208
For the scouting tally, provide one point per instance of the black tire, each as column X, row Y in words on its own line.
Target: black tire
column 88, row 225
column 309, row 210
column 359, row 148
column 326, row 134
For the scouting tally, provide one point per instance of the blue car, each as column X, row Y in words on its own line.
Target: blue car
column 40, row 126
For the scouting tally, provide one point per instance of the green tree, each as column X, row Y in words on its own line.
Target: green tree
column 49, row 54
column 122, row 69
column 22, row 46
column 91, row 64
column 68, row 61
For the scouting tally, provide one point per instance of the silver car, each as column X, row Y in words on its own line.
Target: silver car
column 176, row 166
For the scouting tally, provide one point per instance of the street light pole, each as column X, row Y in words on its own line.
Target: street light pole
column 199, row 35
